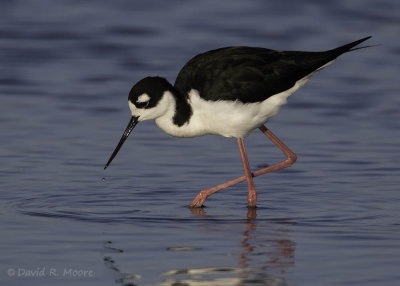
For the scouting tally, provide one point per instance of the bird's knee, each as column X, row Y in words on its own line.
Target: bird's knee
column 291, row 159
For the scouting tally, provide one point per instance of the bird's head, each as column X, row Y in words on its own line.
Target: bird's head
column 147, row 99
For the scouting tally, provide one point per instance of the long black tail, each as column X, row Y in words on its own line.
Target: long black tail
column 350, row 47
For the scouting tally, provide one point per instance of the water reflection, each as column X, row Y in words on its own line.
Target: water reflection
column 274, row 255
column 125, row 279
column 261, row 260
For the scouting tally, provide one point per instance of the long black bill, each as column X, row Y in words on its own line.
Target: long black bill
column 132, row 123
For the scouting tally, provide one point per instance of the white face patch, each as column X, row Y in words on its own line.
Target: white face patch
column 143, row 98
column 144, row 113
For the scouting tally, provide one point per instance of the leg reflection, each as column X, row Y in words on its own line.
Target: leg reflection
column 267, row 251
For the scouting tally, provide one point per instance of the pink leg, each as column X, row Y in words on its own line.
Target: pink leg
column 252, row 196
column 290, row 159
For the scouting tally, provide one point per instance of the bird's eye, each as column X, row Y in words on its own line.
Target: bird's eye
column 143, row 101
column 142, row 104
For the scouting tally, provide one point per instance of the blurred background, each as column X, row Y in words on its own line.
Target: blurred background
column 66, row 68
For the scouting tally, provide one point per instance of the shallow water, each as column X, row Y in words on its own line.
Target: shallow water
column 66, row 68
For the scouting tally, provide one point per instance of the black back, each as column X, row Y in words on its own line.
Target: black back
column 250, row 74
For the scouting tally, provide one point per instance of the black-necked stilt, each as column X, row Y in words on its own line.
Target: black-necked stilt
column 229, row 92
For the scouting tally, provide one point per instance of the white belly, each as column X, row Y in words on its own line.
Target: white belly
column 231, row 118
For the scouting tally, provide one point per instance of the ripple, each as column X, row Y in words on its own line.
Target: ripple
column 114, row 209
column 132, row 31
column 182, row 248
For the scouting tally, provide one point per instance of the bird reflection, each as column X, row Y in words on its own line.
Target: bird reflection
column 197, row 211
column 265, row 254
column 276, row 255
column 262, row 261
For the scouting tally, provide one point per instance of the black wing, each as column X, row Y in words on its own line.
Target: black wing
column 250, row 74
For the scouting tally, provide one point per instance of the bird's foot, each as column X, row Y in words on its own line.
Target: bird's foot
column 198, row 200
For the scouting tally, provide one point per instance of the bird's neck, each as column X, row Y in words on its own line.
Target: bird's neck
column 183, row 110
column 178, row 114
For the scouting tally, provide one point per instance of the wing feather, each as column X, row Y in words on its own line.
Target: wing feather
column 250, row 74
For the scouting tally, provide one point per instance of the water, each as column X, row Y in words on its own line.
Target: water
column 65, row 71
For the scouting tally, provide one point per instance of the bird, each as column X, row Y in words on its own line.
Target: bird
column 228, row 91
